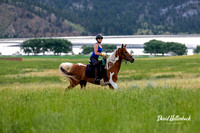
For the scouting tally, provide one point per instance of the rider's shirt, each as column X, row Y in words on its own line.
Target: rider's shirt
column 99, row 50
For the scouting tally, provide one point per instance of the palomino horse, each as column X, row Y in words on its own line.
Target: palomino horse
column 76, row 72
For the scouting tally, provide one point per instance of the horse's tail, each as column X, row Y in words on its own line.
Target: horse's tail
column 65, row 68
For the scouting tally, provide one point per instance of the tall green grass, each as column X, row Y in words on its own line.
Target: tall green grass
column 132, row 110
column 38, row 103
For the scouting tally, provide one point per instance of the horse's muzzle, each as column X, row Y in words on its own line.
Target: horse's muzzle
column 132, row 60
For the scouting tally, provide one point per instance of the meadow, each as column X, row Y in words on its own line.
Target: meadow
column 33, row 97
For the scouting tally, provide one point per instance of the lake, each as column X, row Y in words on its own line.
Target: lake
column 10, row 46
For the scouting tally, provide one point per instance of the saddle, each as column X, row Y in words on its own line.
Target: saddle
column 100, row 66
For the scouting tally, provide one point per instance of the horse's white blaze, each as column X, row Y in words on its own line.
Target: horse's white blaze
column 114, row 85
column 80, row 64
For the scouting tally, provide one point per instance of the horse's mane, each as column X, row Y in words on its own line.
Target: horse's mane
column 111, row 60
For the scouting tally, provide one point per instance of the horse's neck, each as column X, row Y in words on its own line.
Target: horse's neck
column 117, row 65
column 114, row 62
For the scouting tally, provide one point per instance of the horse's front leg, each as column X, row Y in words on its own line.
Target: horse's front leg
column 111, row 87
column 112, row 83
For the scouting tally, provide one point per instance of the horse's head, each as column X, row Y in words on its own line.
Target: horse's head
column 123, row 54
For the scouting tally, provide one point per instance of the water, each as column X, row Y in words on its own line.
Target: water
column 134, row 42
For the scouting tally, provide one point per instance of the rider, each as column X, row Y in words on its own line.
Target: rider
column 97, row 50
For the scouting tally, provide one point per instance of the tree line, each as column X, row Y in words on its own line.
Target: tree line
column 152, row 47
column 58, row 46
column 37, row 46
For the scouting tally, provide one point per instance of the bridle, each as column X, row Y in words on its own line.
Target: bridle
column 126, row 57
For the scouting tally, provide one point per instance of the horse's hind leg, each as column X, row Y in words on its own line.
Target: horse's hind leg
column 73, row 83
column 83, row 83
column 69, row 87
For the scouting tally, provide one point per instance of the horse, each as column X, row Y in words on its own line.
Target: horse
column 76, row 72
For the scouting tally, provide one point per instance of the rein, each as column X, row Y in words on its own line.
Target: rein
column 125, row 56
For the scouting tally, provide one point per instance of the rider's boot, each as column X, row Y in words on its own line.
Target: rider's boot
column 96, row 80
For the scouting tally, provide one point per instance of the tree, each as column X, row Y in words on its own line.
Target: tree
column 178, row 48
column 31, row 46
column 44, row 46
column 107, row 48
column 87, row 49
column 58, row 46
column 26, row 48
column 36, row 46
column 197, row 49
column 155, row 46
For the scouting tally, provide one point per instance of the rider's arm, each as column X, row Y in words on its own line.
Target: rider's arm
column 96, row 51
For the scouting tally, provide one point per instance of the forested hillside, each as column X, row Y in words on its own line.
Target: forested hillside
column 85, row 17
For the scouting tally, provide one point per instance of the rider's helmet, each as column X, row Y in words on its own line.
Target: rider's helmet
column 99, row 36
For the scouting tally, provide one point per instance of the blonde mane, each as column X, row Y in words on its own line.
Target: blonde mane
column 111, row 60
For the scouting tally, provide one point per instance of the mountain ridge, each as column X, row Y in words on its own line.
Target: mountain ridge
column 113, row 17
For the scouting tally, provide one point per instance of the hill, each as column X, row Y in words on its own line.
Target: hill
column 113, row 17
column 19, row 22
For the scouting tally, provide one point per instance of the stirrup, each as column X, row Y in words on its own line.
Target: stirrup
column 97, row 81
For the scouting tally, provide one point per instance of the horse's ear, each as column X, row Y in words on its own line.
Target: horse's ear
column 125, row 45
column 122, row 45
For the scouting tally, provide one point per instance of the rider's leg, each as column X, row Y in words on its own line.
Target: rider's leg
column 98, row 76
column 96, row 79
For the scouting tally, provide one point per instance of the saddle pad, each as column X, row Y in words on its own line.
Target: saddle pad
column 89, row 72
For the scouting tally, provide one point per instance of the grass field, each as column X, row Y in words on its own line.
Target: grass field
column 32, row 97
